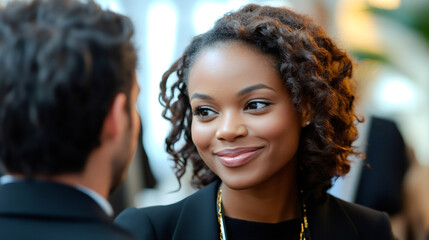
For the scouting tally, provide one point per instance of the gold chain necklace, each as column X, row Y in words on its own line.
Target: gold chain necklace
column 304, row 223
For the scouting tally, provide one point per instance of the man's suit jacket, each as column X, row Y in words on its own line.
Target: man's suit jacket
column 52, row 211
column 194, row 218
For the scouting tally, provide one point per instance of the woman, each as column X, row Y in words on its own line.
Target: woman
column 262, row 107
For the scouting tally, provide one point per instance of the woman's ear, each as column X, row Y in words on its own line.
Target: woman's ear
column 116, row 118
column 306, row 116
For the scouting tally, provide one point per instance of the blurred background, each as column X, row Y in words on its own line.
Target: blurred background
column 389, row 41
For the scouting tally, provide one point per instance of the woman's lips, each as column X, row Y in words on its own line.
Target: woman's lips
column 237, row 157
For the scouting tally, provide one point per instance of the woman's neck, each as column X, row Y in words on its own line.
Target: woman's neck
column 272, row 201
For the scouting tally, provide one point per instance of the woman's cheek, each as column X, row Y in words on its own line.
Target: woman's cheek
column 277, row 126
column 201, row 135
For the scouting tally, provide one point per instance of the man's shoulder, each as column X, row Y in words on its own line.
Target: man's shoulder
column 46, row 210
column 48, row 199
column 52, row 228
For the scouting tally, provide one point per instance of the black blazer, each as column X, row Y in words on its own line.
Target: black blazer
column 194, row 218
column 51, row 211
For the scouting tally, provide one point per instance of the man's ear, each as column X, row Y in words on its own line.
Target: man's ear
column 114, row 123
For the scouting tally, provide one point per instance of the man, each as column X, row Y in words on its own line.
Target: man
column 68, row 122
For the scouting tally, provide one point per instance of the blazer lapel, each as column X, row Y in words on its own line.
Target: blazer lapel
column 330, row 221
column 198, row 219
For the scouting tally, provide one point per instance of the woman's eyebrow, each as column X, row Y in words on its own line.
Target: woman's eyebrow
column 253, row 88
column 242, row 92
column 201, row 96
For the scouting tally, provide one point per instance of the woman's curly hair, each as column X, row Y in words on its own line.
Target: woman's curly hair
column 315, row 72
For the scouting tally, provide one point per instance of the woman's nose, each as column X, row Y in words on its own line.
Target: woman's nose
column 231, row 126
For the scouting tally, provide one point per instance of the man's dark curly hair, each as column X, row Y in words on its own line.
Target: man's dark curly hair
column 62, row 62
column 315, row 72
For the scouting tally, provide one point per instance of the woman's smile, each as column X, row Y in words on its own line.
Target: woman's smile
column 236, row 157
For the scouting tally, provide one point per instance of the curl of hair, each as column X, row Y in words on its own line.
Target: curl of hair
column 316, row 73
column 61, row 63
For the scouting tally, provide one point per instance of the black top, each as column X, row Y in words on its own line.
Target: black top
column 194, row 218
column 238, row 229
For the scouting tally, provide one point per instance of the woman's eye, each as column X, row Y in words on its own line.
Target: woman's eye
column 204, row 112
column 257, row 105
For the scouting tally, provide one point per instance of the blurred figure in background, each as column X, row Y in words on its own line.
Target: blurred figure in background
column 416, row 201
column 377, row 181
column 68, row 121
column 381, row 180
